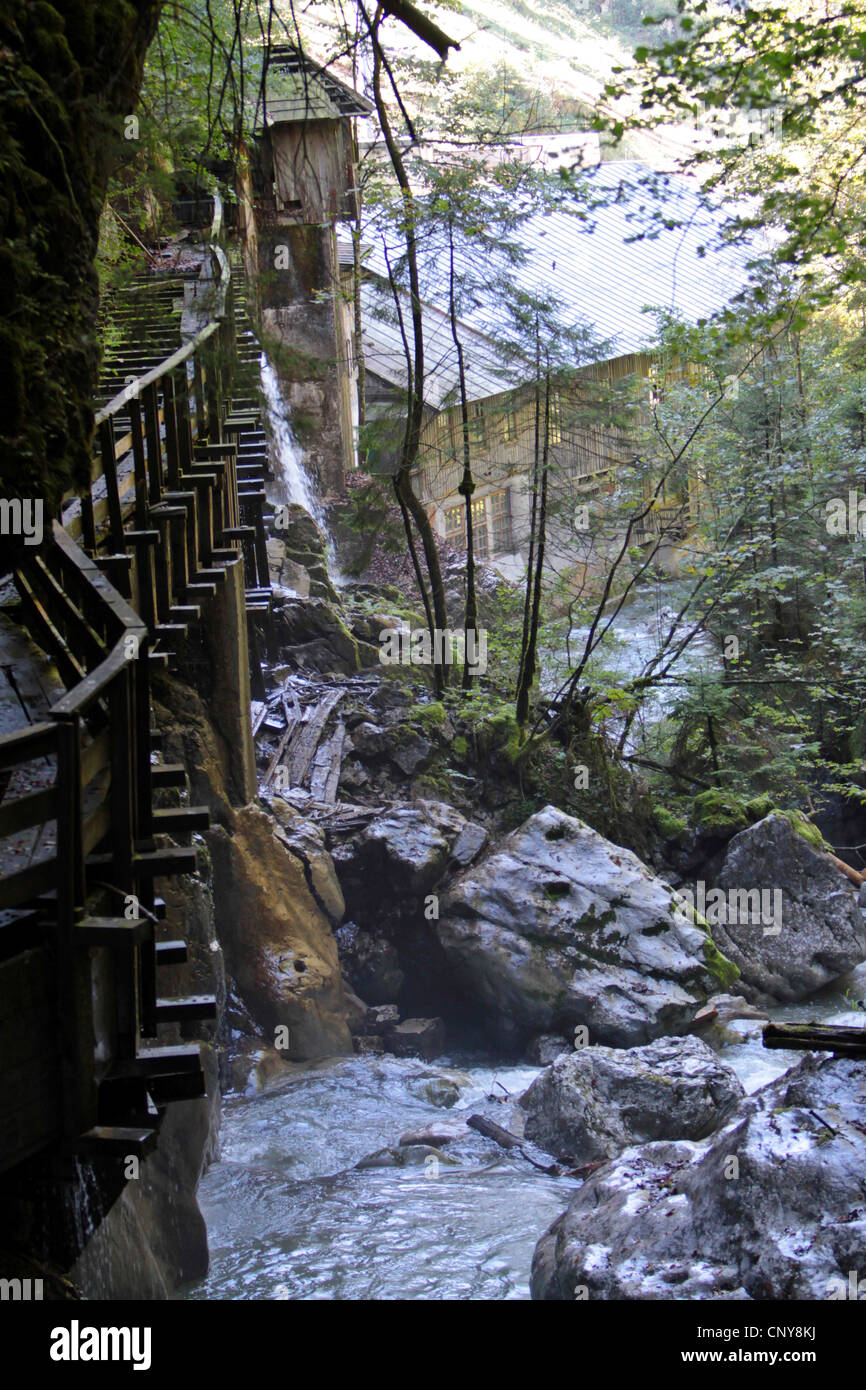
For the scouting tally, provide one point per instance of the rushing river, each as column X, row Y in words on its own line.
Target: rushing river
column 291, row 1217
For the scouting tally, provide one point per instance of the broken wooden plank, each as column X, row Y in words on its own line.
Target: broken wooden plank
column 336, row 747
column 325, row 776
column 259, row 710
column 281, row 748
column 307, row 741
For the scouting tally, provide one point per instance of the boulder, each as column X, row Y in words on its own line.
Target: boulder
column 822, row 933
column 770, row 1207
column 411, row 755
column 255, row 1067
column 557, row 927
column 371, row 964
column 314, row 627
column 546, row 1048
column 382, row 1017
column 409, row 1156
column 593, row 1103
column 300, row 546
column 278, row 944
column 402, row 853
column 416, row 1037
column 368, row 1045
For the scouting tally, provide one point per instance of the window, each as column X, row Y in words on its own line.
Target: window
column 480, row 543
column 509, row 427
column 477, row 437
column 455, row 528
column 500, row 520
column 554, row 421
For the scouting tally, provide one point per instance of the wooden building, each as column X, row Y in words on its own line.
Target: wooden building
column 606, row 282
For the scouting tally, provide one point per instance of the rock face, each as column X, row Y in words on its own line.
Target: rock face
column 557, row 927
column 770, row 1207
column 296, row 555
column 278, row 944
column 403, row 853
column 311, row 635
column 593, row 1103
column 822, row 932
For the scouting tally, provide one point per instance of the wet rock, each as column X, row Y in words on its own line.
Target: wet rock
column 557, row 927
column 402, row 853
column 770, row 1207
column 284, row 572
column 822, row 933
column 371, row 964
column 356, row 1011
column 368, row 1045
column 382, row 1017
column 469, row 844
column 416, row 1037
column 255, row 1067
column 314, row 629
column 593, row 1103
column 439, row 1133
column 300, row 545
column 279, row 946
column 413, row 1155
column 727, row 1018
column 369, row 740
column 353, row 775
column 442, row 1090
column 307, row 841
column 546, row 1048
column 412, row 755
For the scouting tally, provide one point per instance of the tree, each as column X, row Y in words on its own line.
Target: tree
column 68, row 79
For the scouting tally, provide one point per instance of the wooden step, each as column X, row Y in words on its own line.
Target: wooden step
column 150, row 1061
column 115, row 1142
column 180, row 818
column 165, row 863
column 168, row 775
column 171, row 953
column 111, row 931
column 186, row 1007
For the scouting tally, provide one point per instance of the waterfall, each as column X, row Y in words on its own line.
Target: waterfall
column 293, row 483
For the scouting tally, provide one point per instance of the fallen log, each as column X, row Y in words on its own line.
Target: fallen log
column 854, row 875
column 816, row 1037
column 507, row 1140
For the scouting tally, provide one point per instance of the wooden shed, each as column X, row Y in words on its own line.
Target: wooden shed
column 307, row 139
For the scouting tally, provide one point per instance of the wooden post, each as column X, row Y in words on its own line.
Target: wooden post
column 154, row 443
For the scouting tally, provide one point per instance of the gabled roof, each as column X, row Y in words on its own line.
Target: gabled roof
column 307, row 91
column 599, row 275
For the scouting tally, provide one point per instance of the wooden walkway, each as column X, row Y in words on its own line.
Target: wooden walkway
column 127, row 569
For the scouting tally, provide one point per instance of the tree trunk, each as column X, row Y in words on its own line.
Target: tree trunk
column 71, row 76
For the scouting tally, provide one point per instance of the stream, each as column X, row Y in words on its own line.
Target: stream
column 289, row 1215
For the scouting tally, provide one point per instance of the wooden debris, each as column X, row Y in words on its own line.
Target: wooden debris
column 305, row 745
column 817, row 1037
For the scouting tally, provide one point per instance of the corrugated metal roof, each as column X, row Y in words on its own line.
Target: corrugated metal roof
column 596, row 271
column 385, row 357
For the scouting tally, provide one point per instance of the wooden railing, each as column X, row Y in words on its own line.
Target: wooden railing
column 107, row 594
